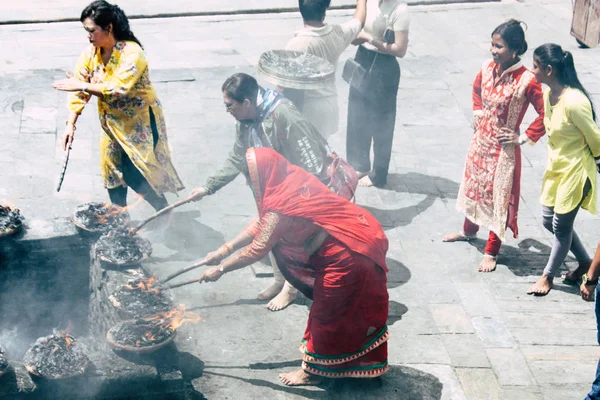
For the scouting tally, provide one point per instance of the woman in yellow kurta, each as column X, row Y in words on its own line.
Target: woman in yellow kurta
column 573, row 150
column 133, row 146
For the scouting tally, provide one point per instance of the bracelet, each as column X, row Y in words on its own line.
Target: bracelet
column 72, row 124
column 221, row 269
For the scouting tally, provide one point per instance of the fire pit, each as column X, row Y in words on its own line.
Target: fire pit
column 99, row 217
column 57, row 356
column 150, row 333
column 11, row 221
column 118, row 247
column 139, row 298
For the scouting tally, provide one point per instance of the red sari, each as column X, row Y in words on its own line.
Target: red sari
column 490, row 188
column 346, row 334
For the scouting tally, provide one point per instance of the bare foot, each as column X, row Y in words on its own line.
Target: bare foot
column 361, row 174
column 283, row 299
column 488, row 264
column 542, row 286
column 575, row 275
column 299, row 378
column 270, row 292
column 365, row 181
column 456, row 237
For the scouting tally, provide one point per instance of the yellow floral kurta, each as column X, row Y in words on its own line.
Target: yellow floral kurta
column 124, row 109
column 573, row 142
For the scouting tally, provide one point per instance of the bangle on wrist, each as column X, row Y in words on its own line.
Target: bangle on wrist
column 72, row 124
column 221, row 269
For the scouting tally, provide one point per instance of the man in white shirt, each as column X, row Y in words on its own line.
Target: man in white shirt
column 320, row 107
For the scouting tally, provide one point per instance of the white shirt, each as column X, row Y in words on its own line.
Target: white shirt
column 383, row 14
column 328, row 42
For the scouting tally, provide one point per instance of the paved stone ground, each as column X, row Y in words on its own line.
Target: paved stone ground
column 456, row 333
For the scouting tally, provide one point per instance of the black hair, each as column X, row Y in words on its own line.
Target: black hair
column 513, row 35
column 103, row 14
column 313, row 10
column 563, row 65
column 240, row 87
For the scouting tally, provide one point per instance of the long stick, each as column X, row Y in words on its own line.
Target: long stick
column 64, row 168
column 176, row 285
column 159, row 213
column 183, row 271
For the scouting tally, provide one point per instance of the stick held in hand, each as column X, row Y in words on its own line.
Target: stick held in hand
column 176, row 285
column 165, row 210
column 183, row 271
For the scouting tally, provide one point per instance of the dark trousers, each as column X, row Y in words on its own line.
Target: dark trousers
column 594, row 394
column 134, row 179
column 372, row 115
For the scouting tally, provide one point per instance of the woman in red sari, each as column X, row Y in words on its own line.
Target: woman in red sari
column 490, row 188
column 331, row 250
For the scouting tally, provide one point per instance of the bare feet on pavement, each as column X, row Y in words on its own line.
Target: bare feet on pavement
column 362, row 174
column 542, row 286
column 488, row 264
column 299, row 378
column 270, row 292
column 283, row 299
column 365, row 181
column 575, row 275
column 456, row 237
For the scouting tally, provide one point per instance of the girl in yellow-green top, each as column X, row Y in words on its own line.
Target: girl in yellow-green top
column 573, row 146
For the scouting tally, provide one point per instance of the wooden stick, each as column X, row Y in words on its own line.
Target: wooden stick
column 64, row 169
column 159, row 213
column 183, row 271
column 176, row 285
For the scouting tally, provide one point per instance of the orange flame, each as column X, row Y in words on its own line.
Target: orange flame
column 113, row 210
column 66, row 334
column 172, row 319
column 145, row 285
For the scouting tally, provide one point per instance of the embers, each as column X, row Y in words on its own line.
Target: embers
column 149, row 333
column 57, row 356
column 118, row 247
column 139, row 298
column 99, row 217
column 11, row 220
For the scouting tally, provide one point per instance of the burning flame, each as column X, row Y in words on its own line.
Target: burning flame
column 171, row 320
column 112, row 210
column 66, row 334
column 145, row 285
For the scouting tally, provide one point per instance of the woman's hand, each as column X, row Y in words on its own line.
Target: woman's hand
column 361, row 38
column 508, row 136
column 69, row 85
column 211, row 275
column 68, row 136
column 586, row 291
column 214, row 257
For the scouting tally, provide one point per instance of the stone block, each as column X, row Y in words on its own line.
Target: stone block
column 450, row 318
column 476, row 299
column 38, row 120
column 412, row 349
column 510, row 366
column 465, row 350
column 493, row 333
column 561, row 353
column 556, row 336
column 564, row 372
column 479, row 383
column 522, row 393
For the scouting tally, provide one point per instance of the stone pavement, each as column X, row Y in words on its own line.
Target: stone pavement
column 69, row 10
column 456, row 333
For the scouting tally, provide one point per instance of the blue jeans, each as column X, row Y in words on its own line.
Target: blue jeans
column 595, row 393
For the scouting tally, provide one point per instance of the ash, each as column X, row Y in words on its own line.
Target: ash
column 100, row 217
column 3, row 360
column 119, row 247
column 141, row 333
column 53, row 357
column 140, row 301
column 10, row 219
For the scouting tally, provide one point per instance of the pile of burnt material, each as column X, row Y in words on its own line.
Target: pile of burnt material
column 99, row 287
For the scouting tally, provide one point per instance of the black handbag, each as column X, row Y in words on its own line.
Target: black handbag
column 355, row 74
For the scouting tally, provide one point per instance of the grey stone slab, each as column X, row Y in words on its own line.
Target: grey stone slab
column 493, row 333
column 564, row 372
column 38, row 120
column 451, row 318
column 465, row 350
column 556, row 336
column 510, row 366
column 477, row 299
column 522, row 393
column 548, row 320
column 561, row 353
column 565, row 391
column 413, row 349
column 479, row 383
column 452, row 389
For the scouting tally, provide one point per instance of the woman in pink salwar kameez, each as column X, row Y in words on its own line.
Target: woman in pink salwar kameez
column 490, row 188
